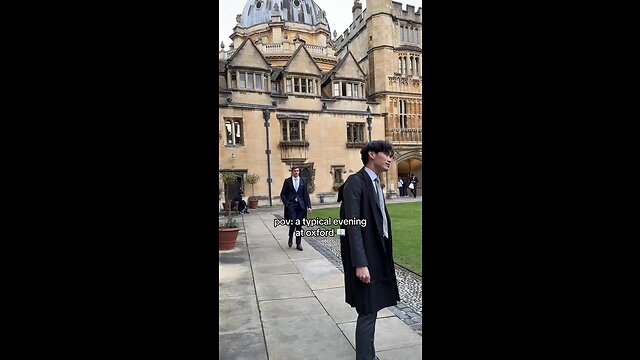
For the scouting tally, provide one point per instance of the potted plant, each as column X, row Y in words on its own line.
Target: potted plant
column 228, row 234
column 253, row 179
column 229, row 229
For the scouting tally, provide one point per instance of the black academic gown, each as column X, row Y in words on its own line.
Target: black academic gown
column 365, row 246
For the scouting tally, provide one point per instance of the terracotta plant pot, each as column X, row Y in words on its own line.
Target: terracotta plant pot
column 253, row 203
column 227, row 238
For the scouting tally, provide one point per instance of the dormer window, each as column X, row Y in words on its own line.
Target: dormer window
column 302, row 85
column 351, row 89
column 259, row 4
column 296, row 3
column 243, row 80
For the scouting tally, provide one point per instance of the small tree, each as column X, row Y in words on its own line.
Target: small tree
column 253, row 179
column 228, row 179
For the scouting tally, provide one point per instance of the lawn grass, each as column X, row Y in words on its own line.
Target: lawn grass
column 406, row 227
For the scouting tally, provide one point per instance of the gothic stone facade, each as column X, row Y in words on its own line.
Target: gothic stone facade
column 317, row 92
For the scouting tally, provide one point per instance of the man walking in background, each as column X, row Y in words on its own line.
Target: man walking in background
column 295, row 197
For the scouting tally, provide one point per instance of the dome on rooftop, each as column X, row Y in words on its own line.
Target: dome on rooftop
column 302, row 11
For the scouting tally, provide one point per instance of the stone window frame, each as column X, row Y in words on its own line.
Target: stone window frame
column 356, row 133
column 407, row 111
column 402, row 113
column 236, row 133
column 338, row 180
column 346, row 86
column 242, row 74
column 409, row 34
column 409, row 64
column 285, row 130
column 297, row 81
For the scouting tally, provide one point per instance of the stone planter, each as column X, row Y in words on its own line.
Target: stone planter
column 227, row 238
column 253, row 203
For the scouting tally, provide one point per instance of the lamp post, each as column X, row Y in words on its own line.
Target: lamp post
column 369, row 121
column 266, row 114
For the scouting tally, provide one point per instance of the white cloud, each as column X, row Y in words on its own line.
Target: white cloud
column 338, row 14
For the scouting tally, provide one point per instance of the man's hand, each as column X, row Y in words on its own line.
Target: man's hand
column 363, row 274
column 309, row 210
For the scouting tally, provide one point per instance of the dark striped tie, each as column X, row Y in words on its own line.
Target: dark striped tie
column 381, row 203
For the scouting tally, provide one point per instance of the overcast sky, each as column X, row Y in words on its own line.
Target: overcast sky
column 338, row 14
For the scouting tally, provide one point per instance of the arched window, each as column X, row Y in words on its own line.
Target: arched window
column 229, row 130
column 233, row 129
column 402, row 104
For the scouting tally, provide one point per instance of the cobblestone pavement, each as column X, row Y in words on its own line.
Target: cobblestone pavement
column 409, row 309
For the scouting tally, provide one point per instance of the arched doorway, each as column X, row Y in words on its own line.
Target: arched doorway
column 410, row 163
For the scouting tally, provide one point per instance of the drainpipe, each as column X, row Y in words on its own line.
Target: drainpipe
column 267, row 115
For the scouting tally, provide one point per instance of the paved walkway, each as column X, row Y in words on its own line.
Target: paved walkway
column 279, row 303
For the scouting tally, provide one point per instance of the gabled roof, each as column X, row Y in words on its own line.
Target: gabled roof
column 342, row 63
column 296, row 54
column 243, row 47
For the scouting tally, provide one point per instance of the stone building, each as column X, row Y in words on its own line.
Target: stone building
column 290, row 93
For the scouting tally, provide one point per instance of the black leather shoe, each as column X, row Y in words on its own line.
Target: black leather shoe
column 290, row 242
column 299, row 247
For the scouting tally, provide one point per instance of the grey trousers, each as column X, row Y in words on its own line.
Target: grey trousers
column 365, row 331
